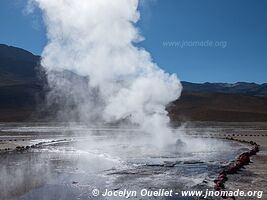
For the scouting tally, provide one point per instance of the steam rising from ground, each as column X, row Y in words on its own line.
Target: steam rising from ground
column 96, row 39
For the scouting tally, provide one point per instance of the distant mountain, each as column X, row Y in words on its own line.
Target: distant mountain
column 20, row 85
column 23, row 89
column 235, row 88
column 17, row 65
column 214, row 106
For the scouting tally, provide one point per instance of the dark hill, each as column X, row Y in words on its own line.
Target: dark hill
column 200, row 106
column 20, row 85
column 22, row 91
column 17, row 65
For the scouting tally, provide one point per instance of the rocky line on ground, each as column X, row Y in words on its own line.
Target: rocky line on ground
column 242, row 160
column 23, row 149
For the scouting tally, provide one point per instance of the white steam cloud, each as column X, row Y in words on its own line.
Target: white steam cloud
column 96, row 39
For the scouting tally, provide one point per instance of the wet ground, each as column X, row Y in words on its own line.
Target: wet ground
column 71, row 160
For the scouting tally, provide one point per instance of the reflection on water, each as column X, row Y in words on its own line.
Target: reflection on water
column 103, row 158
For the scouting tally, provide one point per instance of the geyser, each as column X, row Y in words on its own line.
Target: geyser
column 96, row 39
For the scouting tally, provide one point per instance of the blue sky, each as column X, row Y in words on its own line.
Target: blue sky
column 234, row 33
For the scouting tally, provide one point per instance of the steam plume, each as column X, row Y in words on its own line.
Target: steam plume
column 96, row 39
